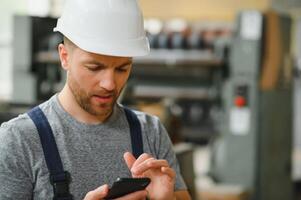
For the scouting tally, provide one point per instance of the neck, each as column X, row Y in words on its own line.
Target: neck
column 68, row 102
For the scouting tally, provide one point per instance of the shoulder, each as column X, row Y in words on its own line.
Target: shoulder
column 16, row 128
column 147, row 118
column 21, row 132
column 147, row 121
column 154, row 133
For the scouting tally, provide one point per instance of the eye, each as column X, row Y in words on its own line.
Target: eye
column 92, row 68
column 123, row 68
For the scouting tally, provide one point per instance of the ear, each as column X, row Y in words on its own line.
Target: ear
column 64, row 56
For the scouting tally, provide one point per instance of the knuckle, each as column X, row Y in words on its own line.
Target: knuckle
column 145, row 155
column 151, row 162
column 165, row 162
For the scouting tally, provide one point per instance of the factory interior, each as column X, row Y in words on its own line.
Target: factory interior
column 223, row 76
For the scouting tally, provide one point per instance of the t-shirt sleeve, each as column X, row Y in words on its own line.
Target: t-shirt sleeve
column 164, row 150
column 15, row 176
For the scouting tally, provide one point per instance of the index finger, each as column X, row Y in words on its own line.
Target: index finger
column 141, row 159
column 98, row 193
column 129, row 159
column 150, row 163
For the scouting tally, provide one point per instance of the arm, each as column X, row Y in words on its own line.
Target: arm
column 15, row 176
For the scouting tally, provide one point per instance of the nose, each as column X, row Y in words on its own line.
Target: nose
column 107, row 80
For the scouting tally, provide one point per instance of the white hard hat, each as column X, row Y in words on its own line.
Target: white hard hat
column 108, row 27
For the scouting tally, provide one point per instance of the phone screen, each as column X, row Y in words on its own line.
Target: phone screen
column 124, row 186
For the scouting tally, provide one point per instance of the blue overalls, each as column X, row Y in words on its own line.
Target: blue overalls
column 59, row 178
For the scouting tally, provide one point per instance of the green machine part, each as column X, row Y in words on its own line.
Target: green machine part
column 254, row 149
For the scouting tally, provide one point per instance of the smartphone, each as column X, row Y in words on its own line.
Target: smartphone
column 124, row 186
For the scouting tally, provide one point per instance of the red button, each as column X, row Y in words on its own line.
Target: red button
column 240, row 101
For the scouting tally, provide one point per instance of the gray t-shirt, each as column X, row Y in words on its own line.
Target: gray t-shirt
column 93, row 154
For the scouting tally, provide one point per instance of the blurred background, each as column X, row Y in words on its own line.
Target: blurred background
column 222, row 75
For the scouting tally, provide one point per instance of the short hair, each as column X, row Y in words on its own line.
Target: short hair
column 68, row 43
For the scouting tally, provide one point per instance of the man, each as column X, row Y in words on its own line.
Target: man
column 90, row 130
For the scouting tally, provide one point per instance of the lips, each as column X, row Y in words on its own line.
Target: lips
column 103, row 98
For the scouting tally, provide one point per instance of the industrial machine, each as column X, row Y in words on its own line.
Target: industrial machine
column 185, row 70
column 187, row 82
column 36, row 76
column 255, row 146
column 297, row 112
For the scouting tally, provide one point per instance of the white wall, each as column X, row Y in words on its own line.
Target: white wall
column 7, row 9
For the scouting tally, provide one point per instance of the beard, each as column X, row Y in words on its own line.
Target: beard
column 84, row 99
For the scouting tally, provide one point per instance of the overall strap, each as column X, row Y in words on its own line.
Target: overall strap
column 59, row 178
column 135, row 130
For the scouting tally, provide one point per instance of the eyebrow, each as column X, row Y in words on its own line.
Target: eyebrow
column 94, row 62
column 125, row 64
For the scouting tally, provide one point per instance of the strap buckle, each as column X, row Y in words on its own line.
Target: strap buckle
column 60, row 183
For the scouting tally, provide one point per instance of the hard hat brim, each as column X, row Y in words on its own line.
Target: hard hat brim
column 124, row 48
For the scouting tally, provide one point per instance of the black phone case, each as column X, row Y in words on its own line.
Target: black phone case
column 123, row 186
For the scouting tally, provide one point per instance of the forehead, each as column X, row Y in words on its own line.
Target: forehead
column 84, row 56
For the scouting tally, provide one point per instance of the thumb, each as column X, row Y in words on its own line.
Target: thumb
column 129, row 159
column 98, row 193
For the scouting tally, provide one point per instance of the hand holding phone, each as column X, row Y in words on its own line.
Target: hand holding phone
column 124, row 186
